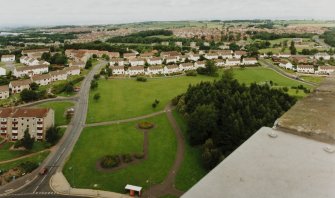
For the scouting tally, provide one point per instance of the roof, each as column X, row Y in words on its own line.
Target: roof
column 155, row 67
column 266, row 167
column 327, row 67
column 30, row 112
column 172, row 66
column 136, row 68
column 117, row 67
column 29, row 68
column 233, row 59
column 240, row 52
column 186, row 64
column 250, row 59
column 41, row 77
column 71, row 68
column 4, row 88
column 131, row 187
column 8, row 56
column 20, row 82
column 306, row 66
column 35, row 50
column 57, row 72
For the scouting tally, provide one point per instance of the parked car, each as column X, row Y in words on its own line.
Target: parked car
column 43, row 171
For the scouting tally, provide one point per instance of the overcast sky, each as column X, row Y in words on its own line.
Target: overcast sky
column 81, row 12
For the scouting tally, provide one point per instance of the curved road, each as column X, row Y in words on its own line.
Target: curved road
column 33, row 185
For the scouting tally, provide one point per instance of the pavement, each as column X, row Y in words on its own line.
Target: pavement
column 39, row 185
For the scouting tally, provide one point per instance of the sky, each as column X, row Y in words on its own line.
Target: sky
column 87, row 12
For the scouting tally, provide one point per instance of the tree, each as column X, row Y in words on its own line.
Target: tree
column 96, row 96
column 46, row 56
column 293, row 49
column 69, row 88
column 27, row 140
column 88, row 64
column 34, row 86
column 109, row 72
column 210, row 69
column 94, row 84
column 234, row 46
column 106, row 57
column 28, row 95
column 52, row 135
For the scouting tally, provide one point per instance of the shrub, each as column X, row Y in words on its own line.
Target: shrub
column 126, row 158
column 139, row 155
column 28, row 166
column 110, row 161
column 145, row 125
column 141, row 79
column 191, row 73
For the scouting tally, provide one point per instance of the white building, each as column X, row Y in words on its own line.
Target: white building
column 118, row 70
column 137, row 62
column 326, row 69
column 154, row 61
column 71, row 71
column 200, row 64
column 220, row 63
column 211, row 56
column 18, row 85
column 194, row 57
column 42, row 79
column 7, row 58
column 323, row 56
column 155, row 70
column 136, row 70
column 187, row 66
column 170, row 69
column 4, row 92
column 172, row 59
column 249, row 61
column 58, row 75
column 233, row 62
column 305, row 69
column 286, row 64
column 117, row 62
column 239, row 54
column 30, row 71
column 2, row 71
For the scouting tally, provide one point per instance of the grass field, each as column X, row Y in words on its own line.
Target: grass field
column 60, row 109
column 127, row 98
column 191, row 170
column 315, row 79
column 95, row 142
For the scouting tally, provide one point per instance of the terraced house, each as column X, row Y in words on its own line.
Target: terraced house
column 14, row 121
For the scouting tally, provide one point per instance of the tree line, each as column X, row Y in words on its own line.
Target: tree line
column 221, row 115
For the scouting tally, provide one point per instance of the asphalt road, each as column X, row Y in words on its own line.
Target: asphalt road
column 33, row 184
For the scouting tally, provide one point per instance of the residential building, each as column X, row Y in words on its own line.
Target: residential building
column 155, row 70
column 233, row 62
column 305, row 69
column 283, row 55
column 118, row 70
column 326, row 69
column 179, row 44
column 71, row 71
column 200, row 64
column 211, row 56
column 58, row 75
column 148, row 55
column 194, row 57
column 4, row 92
column 170, row 53
column 7, row 58
column 239, row 54
column 18, row 85
column 154, row 61
column 323, row 56
column 186, row 66
column 117, row 62
column 30, row 71
column 42, row 79
column 136, row 70
column 80, row 64
column 182, row 58
column 220, row 63
column 226, row 55
column 35, row 53
column 170, row 69
column 137, row 61
column 2, row 71
column 249, row 61
column 286, row 64
column 129, row 55
column 15, row 121
column 172, row 59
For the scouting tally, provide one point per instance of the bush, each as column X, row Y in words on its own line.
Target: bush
column 145, row 125
column 126, row 158
column 141, row 79
column 139, row 155
column 28, row 166
column 191, row 73
column 110, row 161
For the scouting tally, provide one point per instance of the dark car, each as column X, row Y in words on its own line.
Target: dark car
column 43, row 171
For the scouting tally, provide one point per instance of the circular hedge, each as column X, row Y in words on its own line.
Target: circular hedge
column 145, row 125
column 110, row 161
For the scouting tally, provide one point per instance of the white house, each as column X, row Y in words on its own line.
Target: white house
column 283, row 55
column 136, row 70
column 2, row 71
column 18, row 85
column 233, row 62
column 186, row 66
column 117, row 61
column 226, row 55
column 170, row 69
column 137, row 61
column 211, row 56
column 154, row 70
column 220, row 63
column 326, row 69
column 182, row 58
column 172, row 59
column 194, row 57
column 80, row 64
column 129, row 55
column 249, row 61
column 305, row 69
column 118, row 70
column 154, row 61
column 32, row 62
column 42, row 79
column 71, row 71
column 323, row 56
column 58, row 75
column 239, row 54
column 29, row 71
column 4, row 92
column 200, row 64
column 7, row 58
column 286, row 64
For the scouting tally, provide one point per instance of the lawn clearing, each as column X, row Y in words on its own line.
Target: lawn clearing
column 60, row 111
column 191, row 170
column 315, row 79
column 6, row 154
column 95, row 142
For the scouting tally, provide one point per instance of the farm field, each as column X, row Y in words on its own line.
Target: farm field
column 125, row 98
column 96, row 142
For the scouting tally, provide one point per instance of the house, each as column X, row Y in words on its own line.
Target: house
column 129, row 55
column 58, row 75
column 137, row 61
column 249, row 61
column 297, row 40
column 35, row 53
column 186, row 66
column 309, row 69
column 80, row 64
column 136, row 70
column 4, row 92
column 194, row 57
column 286, row 64
column 148, row 55
column 18, row 85
column 7, row 58
column 171, row 59
column 42, row 79
column 155, row 70
column 2, row 71
column 32, row 62
column 117, row 70
column 29, row 71
column 179, row 44
column 71, row 71
column 117, row 61
column 182, row 58
column 220, row 63
column 239, row 54
column 170, row 69
column 323, row 56
column 326, row 69
column 15, row 121
column 200, row 64
column 283, row 55
column 233, row 62
column 154, row 61
column 170, row 53
column 211, row 56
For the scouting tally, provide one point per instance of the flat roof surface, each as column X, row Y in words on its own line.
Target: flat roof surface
column 264, row 167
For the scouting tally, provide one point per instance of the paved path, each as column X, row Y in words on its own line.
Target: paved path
column 23, row 157
column 58, row 99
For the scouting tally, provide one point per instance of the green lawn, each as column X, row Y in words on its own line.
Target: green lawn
column 60, row 111
column 6, row 154
column 315, row 79
column 37, row 158
column 125, row 98
column 95, row 142
column 191, row 170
